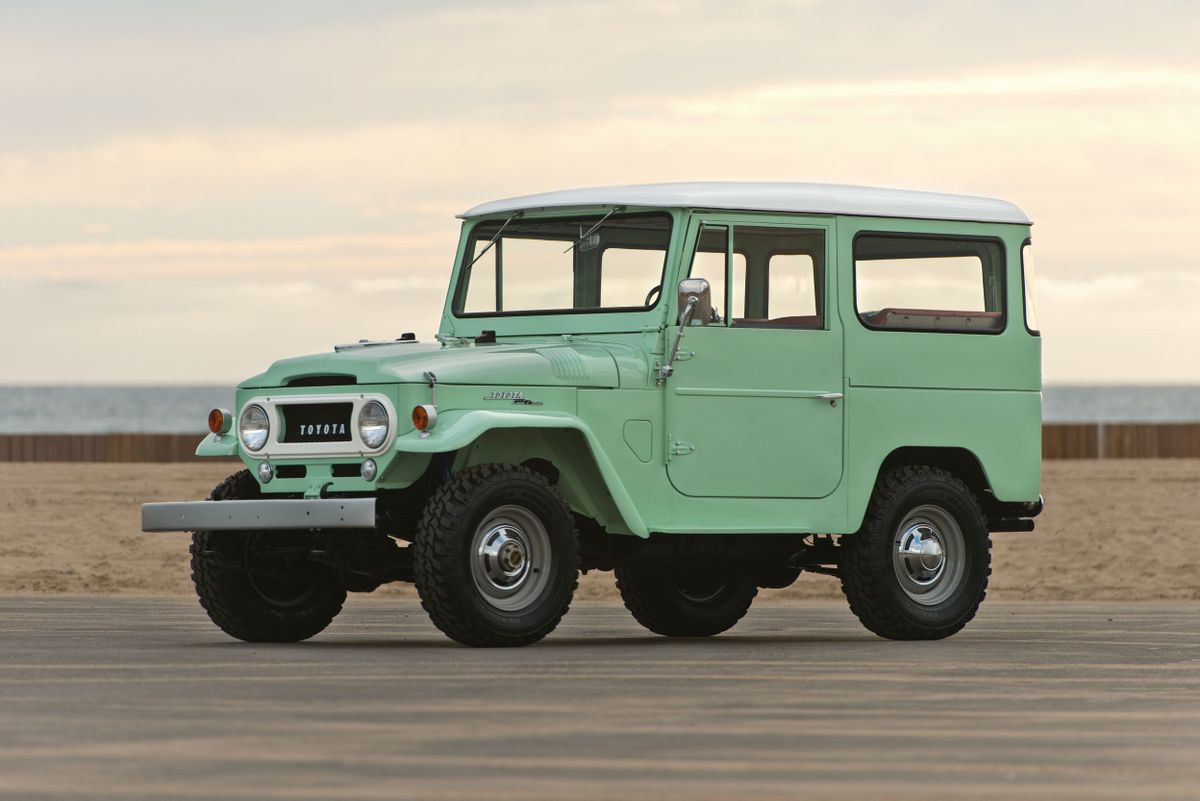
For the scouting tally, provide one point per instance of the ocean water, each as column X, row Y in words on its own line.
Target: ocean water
column 180, row 409
column 103, row 410
column 1121, row 404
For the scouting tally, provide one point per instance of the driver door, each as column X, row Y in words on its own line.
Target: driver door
column 754, row 407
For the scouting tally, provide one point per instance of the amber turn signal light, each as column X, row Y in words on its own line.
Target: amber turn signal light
column 220, row 421
column 424, row 417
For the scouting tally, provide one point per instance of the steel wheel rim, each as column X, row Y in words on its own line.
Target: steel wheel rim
column 929, row 555
column 510, row 558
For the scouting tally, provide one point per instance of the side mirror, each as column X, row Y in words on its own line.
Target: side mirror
column 695, row 301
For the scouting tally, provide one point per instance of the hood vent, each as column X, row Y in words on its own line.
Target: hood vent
column 323, row 381
column 566, row 363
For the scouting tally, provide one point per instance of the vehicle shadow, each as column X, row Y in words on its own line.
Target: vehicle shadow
column 647, row 643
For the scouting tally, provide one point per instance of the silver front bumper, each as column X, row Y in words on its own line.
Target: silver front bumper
column 259, row 515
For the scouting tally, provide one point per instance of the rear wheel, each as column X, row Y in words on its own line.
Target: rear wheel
column 260, row 586
column 496, row 556
column 918, row 568
column 685, row 603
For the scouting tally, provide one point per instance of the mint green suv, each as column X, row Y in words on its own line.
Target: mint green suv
column 708, row 388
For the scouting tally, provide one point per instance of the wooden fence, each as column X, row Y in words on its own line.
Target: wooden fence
column 1121, row 440
column 98, row 447
column 1059, row 441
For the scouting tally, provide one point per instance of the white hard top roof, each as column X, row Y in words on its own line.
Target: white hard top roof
column 771, row 196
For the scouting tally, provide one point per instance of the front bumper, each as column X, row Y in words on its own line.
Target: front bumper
column 280, row 514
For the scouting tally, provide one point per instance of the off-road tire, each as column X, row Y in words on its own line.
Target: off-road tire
column 869, row 578
column 656, row 600
column 230, row 596
column 442, row 554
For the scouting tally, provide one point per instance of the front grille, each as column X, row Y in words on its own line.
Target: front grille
column 316, row 422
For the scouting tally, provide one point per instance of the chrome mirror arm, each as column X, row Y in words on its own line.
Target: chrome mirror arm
column 685, row 317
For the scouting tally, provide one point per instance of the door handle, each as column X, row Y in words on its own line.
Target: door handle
column 832, row 397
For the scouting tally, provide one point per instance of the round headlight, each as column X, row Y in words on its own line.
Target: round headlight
column 373, row 424
column 253, row 427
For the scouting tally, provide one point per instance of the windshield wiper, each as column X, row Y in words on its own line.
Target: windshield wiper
column 575, row 244
column 479, row 255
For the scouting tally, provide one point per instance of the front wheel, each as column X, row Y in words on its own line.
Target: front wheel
column 684, row 602
column 918, row 568
column 260, row 586
column 496, row 556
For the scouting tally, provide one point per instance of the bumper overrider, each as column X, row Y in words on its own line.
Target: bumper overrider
column 265, row 515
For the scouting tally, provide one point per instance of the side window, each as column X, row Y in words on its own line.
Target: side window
column 1028, row 284
column 929, row 284
column 708, row 262
column 783, row 282
column 793, row 291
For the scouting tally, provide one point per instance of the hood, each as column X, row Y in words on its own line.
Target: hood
column 577, row 364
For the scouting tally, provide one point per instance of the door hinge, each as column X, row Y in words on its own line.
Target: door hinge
column 681, row 448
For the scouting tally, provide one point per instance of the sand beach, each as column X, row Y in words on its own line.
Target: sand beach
column 1112, row 530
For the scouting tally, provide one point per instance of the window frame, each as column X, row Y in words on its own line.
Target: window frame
column 818, row 297
column 1004, row 304
column 1037, row 332
column 461, row 284
column 731, row 225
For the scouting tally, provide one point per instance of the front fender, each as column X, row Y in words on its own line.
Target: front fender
column 458, row 429
column 217, row 445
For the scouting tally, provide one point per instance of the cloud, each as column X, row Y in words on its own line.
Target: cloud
column 95, row 74
column 163, row 171
column 1101, row 83
column 381, row 285
column 1088, row 290
column 183, row 259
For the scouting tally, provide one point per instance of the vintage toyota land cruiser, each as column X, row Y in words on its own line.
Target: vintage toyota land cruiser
column 708, row 388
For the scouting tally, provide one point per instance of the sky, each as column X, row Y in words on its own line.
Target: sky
column 189, row 191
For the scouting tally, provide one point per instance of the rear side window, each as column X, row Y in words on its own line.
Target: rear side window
column 929, row 283
column 1027, row 282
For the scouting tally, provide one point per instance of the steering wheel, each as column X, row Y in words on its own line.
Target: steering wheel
column 653, row 293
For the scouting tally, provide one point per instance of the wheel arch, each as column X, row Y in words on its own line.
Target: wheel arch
column 569, row 457
column 959, row 461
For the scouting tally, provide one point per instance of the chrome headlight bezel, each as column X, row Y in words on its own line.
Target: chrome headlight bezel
column 254, row 433
column 374, row 425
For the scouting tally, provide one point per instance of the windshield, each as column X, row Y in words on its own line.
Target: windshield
column 593, row 263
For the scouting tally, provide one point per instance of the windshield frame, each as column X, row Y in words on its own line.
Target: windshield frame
column 458, row 288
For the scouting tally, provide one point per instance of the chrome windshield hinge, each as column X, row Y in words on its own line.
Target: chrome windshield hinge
column 680, row 448
column 432, row 381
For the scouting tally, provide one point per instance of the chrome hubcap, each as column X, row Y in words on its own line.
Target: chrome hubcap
column 510, row 554
column 502, row 552
column 929, row 556
column 921, row 551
